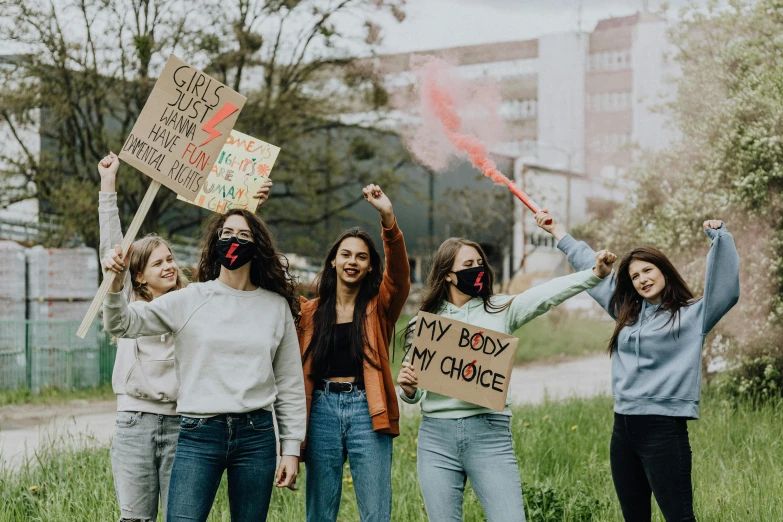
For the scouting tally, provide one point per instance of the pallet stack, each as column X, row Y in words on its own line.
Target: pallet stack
column 60, row 286
column 12, row 315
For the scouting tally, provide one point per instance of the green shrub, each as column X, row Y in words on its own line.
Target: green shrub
column 757, row 378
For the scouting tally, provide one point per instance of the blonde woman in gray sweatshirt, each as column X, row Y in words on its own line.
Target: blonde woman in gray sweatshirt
column 237, row 360
column 147, row 424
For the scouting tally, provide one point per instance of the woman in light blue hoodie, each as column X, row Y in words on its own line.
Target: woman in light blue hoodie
column 459, row 440
column 656, row 364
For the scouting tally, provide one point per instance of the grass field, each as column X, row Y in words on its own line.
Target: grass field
column 563, row 457
column 54, row 396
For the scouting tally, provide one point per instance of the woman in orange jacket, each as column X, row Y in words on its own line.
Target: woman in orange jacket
column 344, row 335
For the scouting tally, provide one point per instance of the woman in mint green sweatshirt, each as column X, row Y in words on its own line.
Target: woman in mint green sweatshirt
column 656, row 364
column 459, row 440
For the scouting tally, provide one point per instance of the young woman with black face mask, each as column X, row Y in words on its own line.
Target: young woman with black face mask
column 238, row 360
column 656, row 364
column 459, row 440
column 344, row 336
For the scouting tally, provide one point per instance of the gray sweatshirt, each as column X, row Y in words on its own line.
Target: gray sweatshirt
column 235, row 351
column 656, row 366
column 159, row 394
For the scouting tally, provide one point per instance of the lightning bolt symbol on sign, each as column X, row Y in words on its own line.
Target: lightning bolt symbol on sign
column 478, row 282
column 230, row 254
column 227, row 110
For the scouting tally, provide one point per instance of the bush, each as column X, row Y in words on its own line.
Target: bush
column 757, row 378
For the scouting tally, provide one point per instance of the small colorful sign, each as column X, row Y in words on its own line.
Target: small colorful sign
column 241, row 168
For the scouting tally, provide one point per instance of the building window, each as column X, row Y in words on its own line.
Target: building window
column 611, row 142
column 514, row 110
column 610, row 61
column 608, row 101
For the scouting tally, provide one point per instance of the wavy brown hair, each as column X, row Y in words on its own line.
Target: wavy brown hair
column 140, row 256
column 269, row 267
column 626, row 302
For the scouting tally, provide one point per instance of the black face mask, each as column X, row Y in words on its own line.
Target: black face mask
column 472, row 281
column 232, row 254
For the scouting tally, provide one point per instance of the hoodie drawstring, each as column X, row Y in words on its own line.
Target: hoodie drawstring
column 639, row 330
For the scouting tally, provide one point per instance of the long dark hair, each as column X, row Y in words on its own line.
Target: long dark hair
column 436, row 289
column 268, row 268
column 626, row 302
column 325, row 315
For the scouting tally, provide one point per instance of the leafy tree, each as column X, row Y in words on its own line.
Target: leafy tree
column 87, row 68
column 727, row 162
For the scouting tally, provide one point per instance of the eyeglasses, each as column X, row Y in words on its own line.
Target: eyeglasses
column 243, row 236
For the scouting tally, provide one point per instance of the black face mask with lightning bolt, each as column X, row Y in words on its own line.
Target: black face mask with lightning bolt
column 232, row 254
column 472, row 281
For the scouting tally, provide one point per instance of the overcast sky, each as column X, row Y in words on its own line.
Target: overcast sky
column 434, row 24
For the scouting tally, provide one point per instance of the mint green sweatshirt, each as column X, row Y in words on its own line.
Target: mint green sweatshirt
column 524, row 308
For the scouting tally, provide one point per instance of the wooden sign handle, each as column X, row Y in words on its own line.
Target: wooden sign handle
column 108, row 278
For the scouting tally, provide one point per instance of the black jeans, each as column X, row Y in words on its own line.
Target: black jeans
column 652, row 454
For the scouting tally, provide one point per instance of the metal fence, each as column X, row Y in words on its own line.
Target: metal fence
column 47, row 354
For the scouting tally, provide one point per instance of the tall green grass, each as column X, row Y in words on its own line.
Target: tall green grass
column 562, row 449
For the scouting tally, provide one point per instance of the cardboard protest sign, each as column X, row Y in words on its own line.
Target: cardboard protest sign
column 182, row 128
column 241, row 168
column 463, row 361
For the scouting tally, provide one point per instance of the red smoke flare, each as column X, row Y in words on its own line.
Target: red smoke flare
column 440, row 101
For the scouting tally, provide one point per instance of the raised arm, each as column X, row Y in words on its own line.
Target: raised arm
column 397, row 275
column 109, row 215
column 540, row 299
column 580, row 256
column 721, row 286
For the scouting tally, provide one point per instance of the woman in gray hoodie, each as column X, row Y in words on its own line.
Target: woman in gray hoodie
column 656, row 364
column 144, row 379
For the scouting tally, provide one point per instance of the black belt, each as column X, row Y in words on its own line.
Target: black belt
column 339, row 387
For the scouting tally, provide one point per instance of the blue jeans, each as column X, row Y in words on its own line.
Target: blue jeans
column 243, row 444
column 340, row 427
column 478, row 448
column 142, row 452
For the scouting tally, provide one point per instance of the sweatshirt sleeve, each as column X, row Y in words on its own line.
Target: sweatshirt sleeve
column 419, row 395
column 110, row 231
column 582, row 257
column 396, row 282
column 156, row 317
column 540, row 299
column 290, row 405
column 722, row 286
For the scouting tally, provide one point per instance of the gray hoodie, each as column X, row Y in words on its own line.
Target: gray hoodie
column 153, row 391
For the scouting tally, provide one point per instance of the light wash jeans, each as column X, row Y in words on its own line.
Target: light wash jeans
column 142, row 453
column 241, row 444
column 340, row 427
column 478, row 448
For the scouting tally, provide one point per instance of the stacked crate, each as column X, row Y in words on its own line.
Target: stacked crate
column 12, row 315
column 60, row 286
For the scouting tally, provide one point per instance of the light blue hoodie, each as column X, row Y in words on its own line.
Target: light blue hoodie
column 656, row 367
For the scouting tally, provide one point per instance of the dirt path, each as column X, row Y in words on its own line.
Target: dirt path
column 23, row 429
